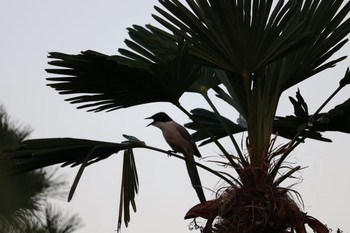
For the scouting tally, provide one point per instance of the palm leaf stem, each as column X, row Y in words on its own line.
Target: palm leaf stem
column 206, row 97
column 213, row 138
column 216, row 173
column 261, row 108
column 285, row 176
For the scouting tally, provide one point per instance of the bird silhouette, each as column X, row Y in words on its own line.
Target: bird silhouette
column 181, row 141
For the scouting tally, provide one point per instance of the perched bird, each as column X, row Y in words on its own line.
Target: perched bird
column 181, row 141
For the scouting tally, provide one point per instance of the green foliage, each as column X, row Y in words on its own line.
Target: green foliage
column 23, row 197
column 10, row 133
column 53, row 222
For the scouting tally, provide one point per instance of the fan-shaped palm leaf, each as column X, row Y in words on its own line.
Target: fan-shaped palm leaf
column 38, row 153
column 104, row 83
column 243, row 36
column 239, row 36
column 327, row 22
column 32, row 154
column 157, row 68
column 206, row 79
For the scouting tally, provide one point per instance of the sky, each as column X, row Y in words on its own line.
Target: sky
column 31, row 29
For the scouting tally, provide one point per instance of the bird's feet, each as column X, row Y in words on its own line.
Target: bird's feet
column 170, row 152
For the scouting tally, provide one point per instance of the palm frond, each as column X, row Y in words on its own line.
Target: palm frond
column 38, row 153
column 206, row 79
column 129, row 187
column 102, row 83
column 289, row 126
column 334, row 120
column 238, row 36
column 328, row 23
column 149, row 45
column 156, row 61
column 32, row 154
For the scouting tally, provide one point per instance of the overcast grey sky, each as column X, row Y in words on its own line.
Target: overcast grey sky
column 31, row 29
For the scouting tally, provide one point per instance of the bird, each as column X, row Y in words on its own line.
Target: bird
column 180, row 140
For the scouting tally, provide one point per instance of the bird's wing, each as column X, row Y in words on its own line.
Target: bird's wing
column 188, row 137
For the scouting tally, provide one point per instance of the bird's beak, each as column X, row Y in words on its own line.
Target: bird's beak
column 147, row 118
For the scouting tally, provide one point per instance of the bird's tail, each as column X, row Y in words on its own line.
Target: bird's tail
column 194, row 176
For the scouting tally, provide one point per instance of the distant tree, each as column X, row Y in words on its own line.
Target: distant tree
column 23, row 197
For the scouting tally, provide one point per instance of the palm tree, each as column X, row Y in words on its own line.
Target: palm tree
column 245, row 52
column 23, row 196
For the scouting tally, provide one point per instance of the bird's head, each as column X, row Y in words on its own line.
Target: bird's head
column 159, row 117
